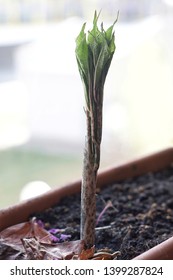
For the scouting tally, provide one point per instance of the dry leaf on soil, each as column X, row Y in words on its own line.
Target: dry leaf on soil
column 30, row 241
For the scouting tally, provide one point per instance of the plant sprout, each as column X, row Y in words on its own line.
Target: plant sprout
column 94, row 55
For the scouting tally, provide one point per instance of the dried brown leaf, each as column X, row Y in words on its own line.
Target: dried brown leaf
column 87, row 254
column 10, row 251
column 30, row 241
column 63, row 251
column 30, row 229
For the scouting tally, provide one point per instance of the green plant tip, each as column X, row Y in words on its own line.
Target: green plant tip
column 94, row 53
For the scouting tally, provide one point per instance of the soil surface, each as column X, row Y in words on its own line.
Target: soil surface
column 141, row 215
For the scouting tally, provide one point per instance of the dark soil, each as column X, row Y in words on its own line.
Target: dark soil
column 141, row 216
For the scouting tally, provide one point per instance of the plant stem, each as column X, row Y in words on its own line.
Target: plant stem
column 94, row 55
column 89, row 179
column 88, row 204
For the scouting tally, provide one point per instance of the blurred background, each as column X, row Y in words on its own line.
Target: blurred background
column 42, row 120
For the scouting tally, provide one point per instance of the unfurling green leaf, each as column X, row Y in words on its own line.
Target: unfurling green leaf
column 94, row 53
column 82, row 51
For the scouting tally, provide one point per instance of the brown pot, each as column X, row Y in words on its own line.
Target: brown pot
column 163, row 251
column 20, row 212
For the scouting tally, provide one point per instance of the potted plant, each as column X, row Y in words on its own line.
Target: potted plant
column 94, row 54
column 21, row 212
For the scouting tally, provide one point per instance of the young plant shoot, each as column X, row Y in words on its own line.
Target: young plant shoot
column 94, row 53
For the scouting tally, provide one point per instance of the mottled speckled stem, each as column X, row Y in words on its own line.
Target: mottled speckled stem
column 89, row 178
column 88, row 202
